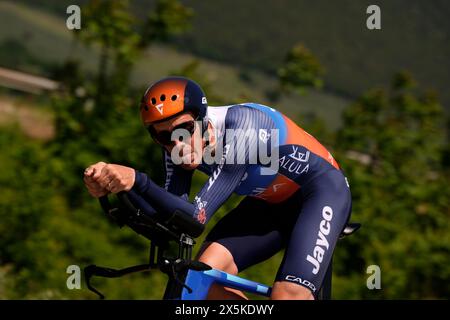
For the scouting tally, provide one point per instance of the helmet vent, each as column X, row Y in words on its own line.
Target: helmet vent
column 163, row 97
column 174, row 97
column 153, row 101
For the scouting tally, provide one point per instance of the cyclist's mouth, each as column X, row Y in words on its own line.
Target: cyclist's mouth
column 188, row 158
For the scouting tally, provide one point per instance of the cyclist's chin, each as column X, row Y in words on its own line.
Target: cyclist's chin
column 190, row 162
column 189, row 166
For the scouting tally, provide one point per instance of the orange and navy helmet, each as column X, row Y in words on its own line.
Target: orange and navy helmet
column 170, row 97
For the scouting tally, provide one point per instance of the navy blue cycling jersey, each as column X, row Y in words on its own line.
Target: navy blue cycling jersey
column 300, row 158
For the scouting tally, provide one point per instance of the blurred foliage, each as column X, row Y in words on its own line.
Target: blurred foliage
column 300, row 70
column 14, row 54
column 393, row 147
column 110, row 25
column 191, row 71
column 169, row 18
column 95, row 120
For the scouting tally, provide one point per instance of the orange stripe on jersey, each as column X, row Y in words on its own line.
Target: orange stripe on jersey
column 279, row 190
column 296, row 135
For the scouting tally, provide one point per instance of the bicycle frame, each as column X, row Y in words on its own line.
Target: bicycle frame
column 202, row 281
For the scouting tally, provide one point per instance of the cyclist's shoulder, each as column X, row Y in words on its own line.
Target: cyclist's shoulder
column 252, row 106
column 242, row 115
column 240, row 108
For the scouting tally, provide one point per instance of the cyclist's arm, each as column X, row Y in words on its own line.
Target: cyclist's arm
column 141, row 203
column 213, row 194
column 216, row 191
column 177, row 182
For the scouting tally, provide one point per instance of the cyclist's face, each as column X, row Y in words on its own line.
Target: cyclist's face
column 190, row 149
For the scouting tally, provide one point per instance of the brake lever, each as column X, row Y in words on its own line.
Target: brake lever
column 93, row 270
column 90, row 271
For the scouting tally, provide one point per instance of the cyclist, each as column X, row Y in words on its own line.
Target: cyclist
column 299, row 200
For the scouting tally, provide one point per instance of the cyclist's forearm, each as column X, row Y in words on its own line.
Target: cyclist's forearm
column 141, row 203
column 160, row 198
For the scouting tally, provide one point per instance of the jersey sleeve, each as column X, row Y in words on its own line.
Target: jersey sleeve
column 217, row 190
column 213, row 194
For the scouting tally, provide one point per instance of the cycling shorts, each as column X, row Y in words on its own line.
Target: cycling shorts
column 307, row 225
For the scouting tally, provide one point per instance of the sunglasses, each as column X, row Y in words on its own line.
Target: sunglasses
column 165, row 137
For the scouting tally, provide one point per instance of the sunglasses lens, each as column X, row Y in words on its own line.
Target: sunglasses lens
column 165, row 137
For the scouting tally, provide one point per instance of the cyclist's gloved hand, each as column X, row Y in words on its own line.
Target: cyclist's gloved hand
column 102, row 178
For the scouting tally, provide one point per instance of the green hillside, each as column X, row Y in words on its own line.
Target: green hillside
column 41, row 39
column 415, row 35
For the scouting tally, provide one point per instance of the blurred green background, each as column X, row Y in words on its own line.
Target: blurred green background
column 378, row 99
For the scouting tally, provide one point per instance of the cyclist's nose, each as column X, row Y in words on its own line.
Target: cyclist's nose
column 179, row 145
